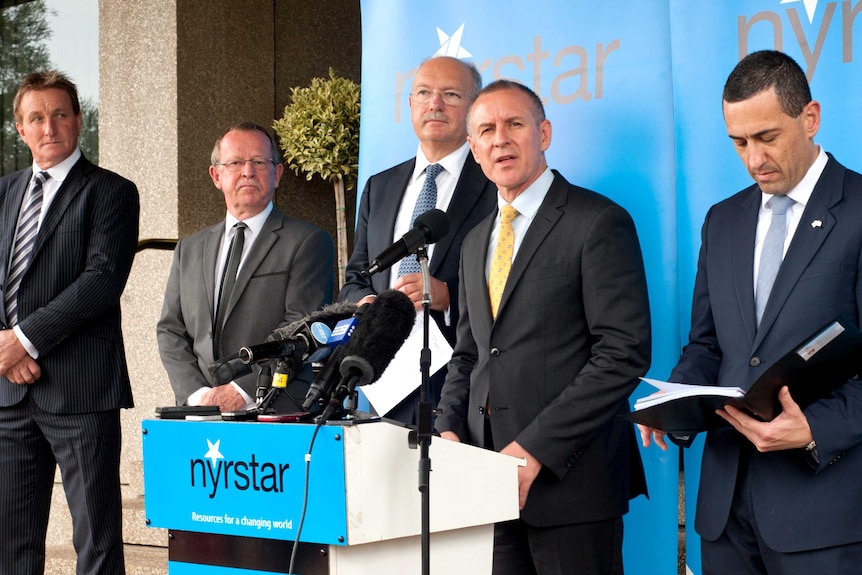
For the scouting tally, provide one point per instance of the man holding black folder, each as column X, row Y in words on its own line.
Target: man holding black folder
column 778, row 260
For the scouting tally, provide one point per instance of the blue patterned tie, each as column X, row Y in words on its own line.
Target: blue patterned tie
column 25, row 239
column 772, row 253
column 228, row 280
column 427, row 200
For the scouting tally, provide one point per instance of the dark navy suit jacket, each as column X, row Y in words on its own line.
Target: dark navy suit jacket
column 798, row 505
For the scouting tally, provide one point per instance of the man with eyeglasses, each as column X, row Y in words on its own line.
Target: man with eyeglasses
column 443, row 89
column 281, row 269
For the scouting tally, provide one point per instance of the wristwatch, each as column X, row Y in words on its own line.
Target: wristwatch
column 811, row 451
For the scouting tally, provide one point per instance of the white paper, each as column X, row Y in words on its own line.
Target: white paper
column 403, row 374
column 668, row 391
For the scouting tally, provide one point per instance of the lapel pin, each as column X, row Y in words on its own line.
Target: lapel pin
column 816, row 224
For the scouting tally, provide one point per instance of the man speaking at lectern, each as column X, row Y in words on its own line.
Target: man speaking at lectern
column 553, row 335
column 777, row 261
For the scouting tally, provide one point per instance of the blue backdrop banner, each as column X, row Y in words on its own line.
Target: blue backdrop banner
column 633, row 90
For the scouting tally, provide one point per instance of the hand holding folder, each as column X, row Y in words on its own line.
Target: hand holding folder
column 812, row 370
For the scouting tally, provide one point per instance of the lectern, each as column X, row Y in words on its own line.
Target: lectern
column 231, row 495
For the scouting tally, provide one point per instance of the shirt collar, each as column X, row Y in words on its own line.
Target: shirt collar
column 801, row 193
column 254, row 223
column 527, row 203
column 452, row 163
column 60, row 171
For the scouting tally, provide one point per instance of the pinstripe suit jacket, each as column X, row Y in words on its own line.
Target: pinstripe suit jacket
column 69, row 298
column 286, row 274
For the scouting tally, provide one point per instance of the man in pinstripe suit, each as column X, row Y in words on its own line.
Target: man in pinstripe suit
column 68, row 231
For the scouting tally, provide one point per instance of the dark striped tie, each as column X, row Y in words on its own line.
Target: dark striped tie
column 25, row 239
column 228, row 280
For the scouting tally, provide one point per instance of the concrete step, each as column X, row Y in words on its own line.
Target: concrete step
column 140, row 560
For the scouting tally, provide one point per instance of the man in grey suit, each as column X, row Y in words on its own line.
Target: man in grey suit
column 782, row 497
column 442, row 90
column 553, row 335
column 285, row 271
column 68, row 232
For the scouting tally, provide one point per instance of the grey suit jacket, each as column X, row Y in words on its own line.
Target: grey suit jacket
column 69, row 298
column 572, row 336
column 287, row 273
column 798, row 505
column 473, row 199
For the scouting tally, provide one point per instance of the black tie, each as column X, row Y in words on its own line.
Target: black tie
column 228, row 280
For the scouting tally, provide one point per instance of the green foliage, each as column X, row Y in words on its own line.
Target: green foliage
column 319, row 131
column 24, row 33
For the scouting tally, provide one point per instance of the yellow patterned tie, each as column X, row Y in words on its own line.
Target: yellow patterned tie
column 501, row 262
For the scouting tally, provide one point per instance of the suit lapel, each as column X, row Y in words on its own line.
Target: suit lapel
column 474, row 264
column 469, row 189
column 388, row 210
column 209, row 261
column 257, row 252
column 807, row 240
column 743, row 234
column 13, row 199
column 550, row 211
column 71, row 187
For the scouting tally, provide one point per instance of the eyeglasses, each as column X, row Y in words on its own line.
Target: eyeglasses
column 258, row 164
column 449, row 97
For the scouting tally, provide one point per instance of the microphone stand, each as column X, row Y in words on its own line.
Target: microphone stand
column 423, row 428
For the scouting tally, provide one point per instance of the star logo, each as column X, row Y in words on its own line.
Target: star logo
column 213, row 452
column 810, row 7
column 451, row 45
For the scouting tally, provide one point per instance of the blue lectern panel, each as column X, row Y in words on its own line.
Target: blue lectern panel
column 245, row 479
column 178, row 568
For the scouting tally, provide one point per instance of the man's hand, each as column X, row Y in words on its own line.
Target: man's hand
column 450, row 435
column 526, row 474
column 24, row 372
column 12, row 354
column 411, row 286
column 651, row 432
column 225, row 397
column 790, row 430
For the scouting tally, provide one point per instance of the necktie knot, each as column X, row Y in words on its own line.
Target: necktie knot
column 507, row 214
column 432, row 171
column 41, row 178
column 779, row 205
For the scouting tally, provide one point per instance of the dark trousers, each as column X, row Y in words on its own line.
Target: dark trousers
column 741, row 550
column 87, row 449
column 580, row 549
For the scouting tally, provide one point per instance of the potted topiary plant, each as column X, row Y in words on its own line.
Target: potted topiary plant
column 319, row 133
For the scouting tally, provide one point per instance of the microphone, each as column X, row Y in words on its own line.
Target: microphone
column 379, row 335
column 428, row 228
column 327, row 378
column 228, row 369
column 301, row 337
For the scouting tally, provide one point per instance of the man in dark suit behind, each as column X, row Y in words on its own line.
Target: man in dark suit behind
column 285, row 273
column 442, row 90
column 549, row 351
column 782, row 497
column 68, row 232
